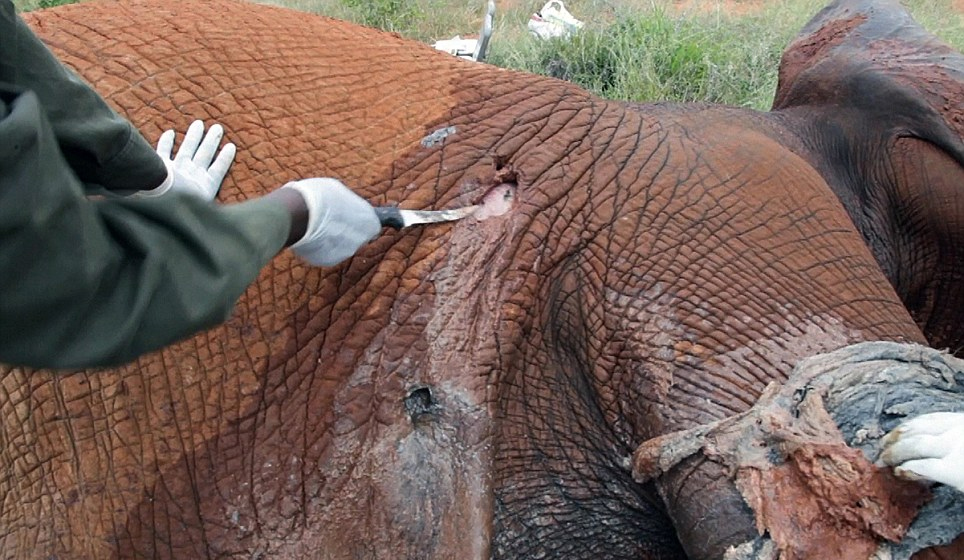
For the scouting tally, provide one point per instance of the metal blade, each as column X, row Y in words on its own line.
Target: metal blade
column 413, row 217
column 394, row 217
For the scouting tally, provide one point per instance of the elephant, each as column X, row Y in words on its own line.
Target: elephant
column 477, row 389
column 894, row 157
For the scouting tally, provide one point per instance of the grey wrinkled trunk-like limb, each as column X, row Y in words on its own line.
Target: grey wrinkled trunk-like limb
column 803, row 431
column 867, row 402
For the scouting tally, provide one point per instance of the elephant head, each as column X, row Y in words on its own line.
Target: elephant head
column 458, row 391
column 876, row 102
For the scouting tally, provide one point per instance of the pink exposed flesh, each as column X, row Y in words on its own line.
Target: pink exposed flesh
column 496, row 202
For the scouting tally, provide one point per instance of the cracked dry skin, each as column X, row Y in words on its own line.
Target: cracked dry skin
column 864, row 70
column 812, row 442
column 469, row 390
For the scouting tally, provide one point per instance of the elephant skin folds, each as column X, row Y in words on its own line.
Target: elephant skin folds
column 811, row 442
column 883, row 85
column 467, row 390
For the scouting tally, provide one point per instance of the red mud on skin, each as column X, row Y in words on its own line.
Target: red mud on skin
column 804, row 50
column 496, row 202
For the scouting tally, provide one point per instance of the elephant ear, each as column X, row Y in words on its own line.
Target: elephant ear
column 872, row 56
column 879, row 103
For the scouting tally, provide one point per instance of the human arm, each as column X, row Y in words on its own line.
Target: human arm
column 98, row 282
column 100, row 146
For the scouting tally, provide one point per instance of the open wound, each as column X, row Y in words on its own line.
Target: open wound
column 498, row 199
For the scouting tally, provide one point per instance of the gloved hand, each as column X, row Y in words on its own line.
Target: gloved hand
column 928, row 447
column 339, row 221
column 192, row 171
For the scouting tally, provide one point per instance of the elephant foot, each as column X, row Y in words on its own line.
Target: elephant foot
column 953, row 551
column 802, row 458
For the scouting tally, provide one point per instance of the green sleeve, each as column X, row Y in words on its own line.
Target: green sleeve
column 102, row 147
column 96, row 282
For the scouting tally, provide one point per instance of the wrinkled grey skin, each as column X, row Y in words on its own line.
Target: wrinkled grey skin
column 875, row 102
column 461, row 391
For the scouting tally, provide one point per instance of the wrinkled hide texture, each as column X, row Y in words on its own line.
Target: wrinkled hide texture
column 876, row 102
column 811, row 442
column 469, row 390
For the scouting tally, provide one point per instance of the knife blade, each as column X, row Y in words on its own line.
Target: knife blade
column 398, row 218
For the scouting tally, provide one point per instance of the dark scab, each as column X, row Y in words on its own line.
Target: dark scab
column 420, row 402
column 775, row 457
column 504, row 174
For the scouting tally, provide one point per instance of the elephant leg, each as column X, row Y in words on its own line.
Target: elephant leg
column 801, row 458
column 706, row 528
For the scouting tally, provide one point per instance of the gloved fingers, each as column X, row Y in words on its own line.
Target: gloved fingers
column 191, row 142
column 332, row 248
column 339, row 221
column 346, row 215
column 931, row 469
column 209, row 146
column 910, row 447
column 219, row 169
column 165, row 144
column 932, row 423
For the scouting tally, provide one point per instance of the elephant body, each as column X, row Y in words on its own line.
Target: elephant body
column 472, row 390
column 875, row 101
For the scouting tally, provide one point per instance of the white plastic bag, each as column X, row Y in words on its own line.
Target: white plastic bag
column 553, row 20
column 458, row 46
column 471, row 49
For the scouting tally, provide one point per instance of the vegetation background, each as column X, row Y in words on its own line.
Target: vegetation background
column 722, row 51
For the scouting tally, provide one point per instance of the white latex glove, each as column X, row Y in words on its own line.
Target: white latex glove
column 339, row 221
column 194, row 170
column 928, row 447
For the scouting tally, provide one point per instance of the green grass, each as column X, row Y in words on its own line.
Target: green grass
column 653, row 52
column 27, row 5
column 656, row 55
column 639, row 50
